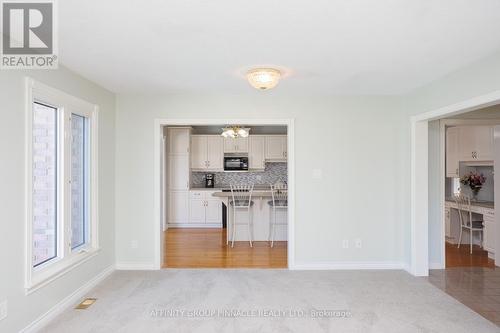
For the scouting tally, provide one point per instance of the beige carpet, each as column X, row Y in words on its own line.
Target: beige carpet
column 269, row 301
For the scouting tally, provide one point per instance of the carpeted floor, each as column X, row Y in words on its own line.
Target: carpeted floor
column 190, row 300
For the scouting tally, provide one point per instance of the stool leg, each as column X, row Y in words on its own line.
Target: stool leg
column 274, row 227
column 460, row 238
column 248, row 225
column 234, row 226
column 470, row 232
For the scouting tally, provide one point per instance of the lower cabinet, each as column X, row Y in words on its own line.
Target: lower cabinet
column 489, row 234
column 178, row 207
column 204, row 209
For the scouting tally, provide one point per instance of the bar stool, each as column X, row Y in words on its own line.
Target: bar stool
column 242, row 200
column 279, row 194
column 466, row 222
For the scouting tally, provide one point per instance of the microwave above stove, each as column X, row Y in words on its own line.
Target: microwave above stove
column 233, row 163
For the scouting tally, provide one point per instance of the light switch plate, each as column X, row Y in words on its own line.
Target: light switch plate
column 134, row 244
column 345, row 244
column 317, row 174
column 357, row 243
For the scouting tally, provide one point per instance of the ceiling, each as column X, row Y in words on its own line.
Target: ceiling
column 323, row 46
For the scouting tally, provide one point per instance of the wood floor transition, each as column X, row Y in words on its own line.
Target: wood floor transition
column 206, row 248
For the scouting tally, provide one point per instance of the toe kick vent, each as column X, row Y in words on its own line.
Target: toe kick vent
column 86, row 303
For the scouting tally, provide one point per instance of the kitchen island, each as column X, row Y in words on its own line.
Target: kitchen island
column 261, row 217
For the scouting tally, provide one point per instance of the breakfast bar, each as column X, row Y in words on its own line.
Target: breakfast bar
column 260, row 217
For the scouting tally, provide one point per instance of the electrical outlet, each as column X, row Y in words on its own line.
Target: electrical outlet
column 357, row 243
column 134, row 244
column 3, row 310
column 345, row 244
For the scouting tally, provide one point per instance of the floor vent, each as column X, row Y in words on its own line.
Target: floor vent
column 86, row 303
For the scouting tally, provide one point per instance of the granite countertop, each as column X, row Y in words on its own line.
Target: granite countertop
column 486, row 204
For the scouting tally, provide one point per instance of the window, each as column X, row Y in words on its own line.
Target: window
column 79, row 181
column 62, row 223
column 44, row 175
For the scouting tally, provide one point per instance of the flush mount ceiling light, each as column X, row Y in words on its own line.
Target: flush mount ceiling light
column 235, row 132
column 263, row 78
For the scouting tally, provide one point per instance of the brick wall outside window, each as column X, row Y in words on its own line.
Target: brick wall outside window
column 44, row 183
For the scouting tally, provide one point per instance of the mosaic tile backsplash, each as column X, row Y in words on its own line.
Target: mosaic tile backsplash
column 273, row 173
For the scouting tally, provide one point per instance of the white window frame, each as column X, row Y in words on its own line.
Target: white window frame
column 66, row 259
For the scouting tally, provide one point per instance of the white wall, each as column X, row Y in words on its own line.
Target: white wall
column 360, row 143
column 22, row 309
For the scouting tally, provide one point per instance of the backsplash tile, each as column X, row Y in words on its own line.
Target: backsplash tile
column 273, row 173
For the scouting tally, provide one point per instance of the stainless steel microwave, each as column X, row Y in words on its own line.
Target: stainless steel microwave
column 232, row 163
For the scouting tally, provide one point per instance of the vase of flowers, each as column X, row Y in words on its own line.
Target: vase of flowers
column 475, row 181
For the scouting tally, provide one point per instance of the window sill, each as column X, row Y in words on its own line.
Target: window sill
column 57, row 269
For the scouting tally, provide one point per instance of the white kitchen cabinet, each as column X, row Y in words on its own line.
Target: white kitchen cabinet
column 178, row 143
column 205, row 210
column 207, row 152
column 447, row 222
column 276, row 147
column 236, row 145
column 198, row 152
column 475, row 143
column 452, row 160
column 489, row 233
column 178, row 207
column 215, row 152
column 197, row 211
column 178, row 172
column 257, row 152
column 213, row 211
column 178, row 140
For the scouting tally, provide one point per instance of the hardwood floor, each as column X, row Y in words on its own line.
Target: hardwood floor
column 461, row 257
column 206, row 248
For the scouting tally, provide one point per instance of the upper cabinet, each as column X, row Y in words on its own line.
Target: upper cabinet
column 207, row 152
column 467, row 144
column 475, row 143
column 276, row 147
column 236, row 145
column 257, row 152
column 452, row 152
column 178, row 140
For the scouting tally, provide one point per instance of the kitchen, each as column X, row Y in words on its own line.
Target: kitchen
column 226, row 196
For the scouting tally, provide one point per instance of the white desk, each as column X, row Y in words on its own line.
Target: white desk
column 452, row 224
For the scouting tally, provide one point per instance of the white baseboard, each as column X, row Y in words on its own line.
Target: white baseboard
column 348, row 265
column 68, row 301
column 135, row 266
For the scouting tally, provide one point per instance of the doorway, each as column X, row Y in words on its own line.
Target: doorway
column 199, row 239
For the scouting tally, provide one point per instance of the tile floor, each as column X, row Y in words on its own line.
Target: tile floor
column 476, row 287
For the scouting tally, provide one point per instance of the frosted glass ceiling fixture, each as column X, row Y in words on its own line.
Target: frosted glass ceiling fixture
column 263, row 78
column 235, row 132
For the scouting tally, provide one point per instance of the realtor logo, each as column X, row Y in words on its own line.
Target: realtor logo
column 28, row 40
